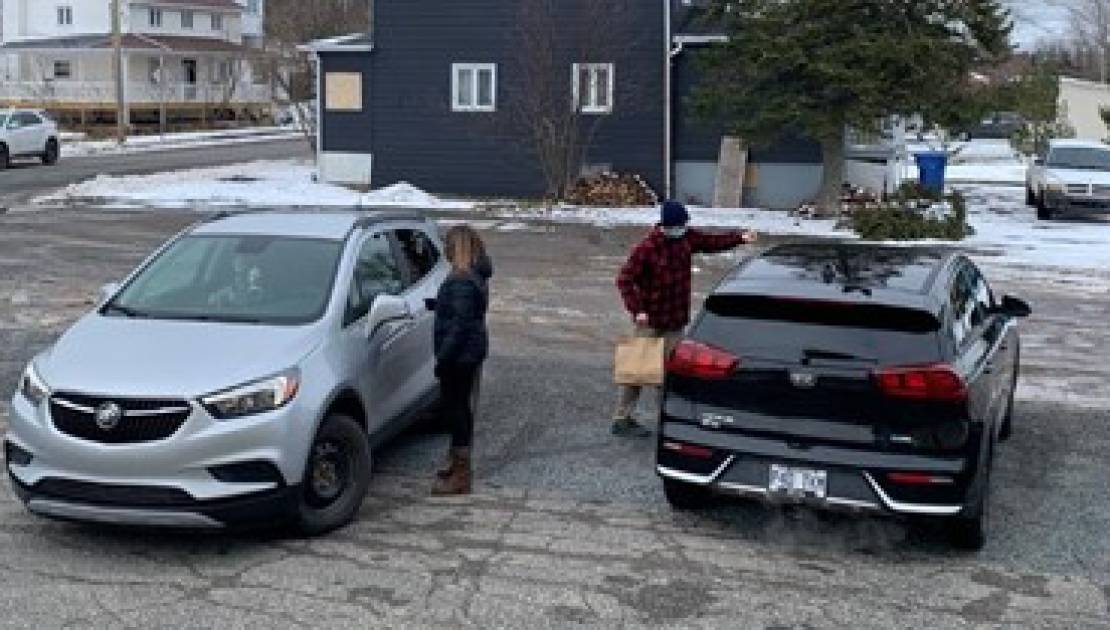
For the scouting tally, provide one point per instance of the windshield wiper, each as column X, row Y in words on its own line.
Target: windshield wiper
column 227, row 319
column 123, row 310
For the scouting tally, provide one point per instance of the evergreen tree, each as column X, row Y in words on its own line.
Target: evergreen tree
column 817, row 67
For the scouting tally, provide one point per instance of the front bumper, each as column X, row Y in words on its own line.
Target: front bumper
column 740, row 467
column 189, row 479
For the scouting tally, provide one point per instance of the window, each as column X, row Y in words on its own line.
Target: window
column 65, row 16
column 156, row 17
column 22, row 120
column 343, row 92
column 971, row 300
column 474, row 87
column 376, row 273
column 420, row 253
column 217, row 21
column 154, row 67
column 221, row 71
column 63, row 70
column 253, row 7
column 186, row 19
column 593, row 88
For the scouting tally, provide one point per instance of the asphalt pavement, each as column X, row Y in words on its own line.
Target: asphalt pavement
column 568, row 527
column 27, row 178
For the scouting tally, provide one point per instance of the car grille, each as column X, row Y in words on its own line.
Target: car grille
column 1078, row 189
column 142, row 420
column 1099, row 189
column 112, row 494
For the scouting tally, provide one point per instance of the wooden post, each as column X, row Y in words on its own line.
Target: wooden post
column 731, row 168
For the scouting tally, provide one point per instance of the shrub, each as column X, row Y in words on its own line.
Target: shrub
column 904, row 218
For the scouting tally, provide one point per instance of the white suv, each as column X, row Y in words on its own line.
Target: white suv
column 27, row 133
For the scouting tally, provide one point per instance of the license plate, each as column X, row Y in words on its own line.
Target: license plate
column 798, row 482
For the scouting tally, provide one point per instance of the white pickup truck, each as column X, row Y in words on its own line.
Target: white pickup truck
column 1073, row 176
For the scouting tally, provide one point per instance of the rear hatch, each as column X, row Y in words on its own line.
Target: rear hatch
column 808, row 372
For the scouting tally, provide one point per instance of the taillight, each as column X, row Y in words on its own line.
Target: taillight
column 938, row 383
column 689, row 450
column 918, row 479
column 698, row 360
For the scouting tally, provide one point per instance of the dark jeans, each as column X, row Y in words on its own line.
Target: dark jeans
column 456, row 384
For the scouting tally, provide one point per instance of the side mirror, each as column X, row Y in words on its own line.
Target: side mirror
column 387, row 309
column 107, row 292
column 1014, row 307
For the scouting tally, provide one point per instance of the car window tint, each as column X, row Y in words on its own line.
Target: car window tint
column 376, row 272
column 27, row 119
column 419, row 251
column 971, row 300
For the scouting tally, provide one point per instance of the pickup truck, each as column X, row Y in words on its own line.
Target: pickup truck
column 1073, row 176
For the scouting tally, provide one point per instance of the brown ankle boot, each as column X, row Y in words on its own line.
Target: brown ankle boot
column 452, row 462
column 457, row 480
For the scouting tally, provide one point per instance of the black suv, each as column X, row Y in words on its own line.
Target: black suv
column 845, row 376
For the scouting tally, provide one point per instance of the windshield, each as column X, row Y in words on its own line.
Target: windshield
column 1093, row 159
column 248, row 279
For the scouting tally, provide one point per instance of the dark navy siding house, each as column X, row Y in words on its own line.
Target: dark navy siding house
column 437, row 95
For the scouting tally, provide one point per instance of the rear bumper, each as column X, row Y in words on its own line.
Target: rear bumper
column 855, row 477
column 109, row 504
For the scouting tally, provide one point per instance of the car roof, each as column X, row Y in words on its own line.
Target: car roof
column 1077, row 144
column 843, row 272
column 322, row 224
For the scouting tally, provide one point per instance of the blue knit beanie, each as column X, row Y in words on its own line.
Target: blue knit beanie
column 673, row 214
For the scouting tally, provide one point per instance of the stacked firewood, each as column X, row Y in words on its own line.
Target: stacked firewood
column 612, row 190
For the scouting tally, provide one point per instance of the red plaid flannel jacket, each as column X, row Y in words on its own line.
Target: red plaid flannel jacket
column 656, row 278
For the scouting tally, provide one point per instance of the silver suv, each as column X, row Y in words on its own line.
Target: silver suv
column 243, row 373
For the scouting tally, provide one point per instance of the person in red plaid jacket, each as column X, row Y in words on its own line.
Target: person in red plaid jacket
column 655, row 287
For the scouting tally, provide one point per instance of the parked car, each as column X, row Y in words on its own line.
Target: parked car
column 1072, row 176
column 997, row 126
column 850, row 377
column 26, row 133
column 243, row 374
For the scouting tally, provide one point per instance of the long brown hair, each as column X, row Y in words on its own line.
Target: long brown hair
column 464, row 248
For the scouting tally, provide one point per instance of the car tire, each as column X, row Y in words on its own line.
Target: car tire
column 337, row 475
column 5, row 157
column 970, row 532
column 685, row 496
column 1044, row 213
column 1030, row 198
column 1006, row 431
column 51, row 154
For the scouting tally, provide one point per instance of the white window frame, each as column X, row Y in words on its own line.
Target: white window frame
column 54, row 70
column 155, row 17
column 188, row 19
column 217, row 21
column 65, row 15
column 587, row 104
column 456, row 70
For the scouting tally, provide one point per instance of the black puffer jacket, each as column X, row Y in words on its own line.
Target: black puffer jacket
column 461, row 336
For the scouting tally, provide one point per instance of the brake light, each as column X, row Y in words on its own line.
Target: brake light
column 689, row 450
column 938, row 383
column 698, row 360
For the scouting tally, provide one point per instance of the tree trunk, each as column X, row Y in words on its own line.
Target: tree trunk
column 832, row 179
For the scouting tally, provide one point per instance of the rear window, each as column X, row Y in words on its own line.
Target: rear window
column 798, row 330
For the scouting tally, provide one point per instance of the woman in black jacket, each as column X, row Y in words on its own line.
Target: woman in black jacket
column 461, row 346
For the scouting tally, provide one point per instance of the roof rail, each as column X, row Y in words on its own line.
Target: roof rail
column 374, row 217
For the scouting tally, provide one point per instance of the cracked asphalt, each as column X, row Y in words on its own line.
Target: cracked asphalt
column 568, row 527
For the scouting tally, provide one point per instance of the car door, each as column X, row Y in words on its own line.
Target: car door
column 18, row 134
column 424, row 272
column 999, row 337
column 976, row 340
column 377, row 357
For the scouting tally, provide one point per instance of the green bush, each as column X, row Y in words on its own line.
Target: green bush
column 907, row 219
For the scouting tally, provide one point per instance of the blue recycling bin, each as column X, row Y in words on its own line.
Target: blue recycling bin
column 930, row 168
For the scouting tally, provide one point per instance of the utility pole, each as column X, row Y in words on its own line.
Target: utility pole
column 117, row 48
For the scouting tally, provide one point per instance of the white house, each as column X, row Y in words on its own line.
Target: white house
column 1080, row 106
column 190, row 56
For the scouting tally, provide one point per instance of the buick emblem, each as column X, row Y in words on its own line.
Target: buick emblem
column 108, row 416
column 803, row 380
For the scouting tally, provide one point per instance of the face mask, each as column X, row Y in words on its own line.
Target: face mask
column 675, row 232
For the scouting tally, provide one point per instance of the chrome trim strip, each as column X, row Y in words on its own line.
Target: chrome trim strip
column 121, row 516
column 911, row 508
column 62, row 402
column 701, row 480
column 744, row 489
column 164, row 411
column 853, row 503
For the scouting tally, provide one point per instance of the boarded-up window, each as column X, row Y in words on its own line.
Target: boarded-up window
column 344, row 92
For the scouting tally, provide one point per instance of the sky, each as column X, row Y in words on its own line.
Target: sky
column 1038, row 20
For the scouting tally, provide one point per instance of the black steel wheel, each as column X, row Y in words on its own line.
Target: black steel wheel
column 52, row 153
column 336, row 476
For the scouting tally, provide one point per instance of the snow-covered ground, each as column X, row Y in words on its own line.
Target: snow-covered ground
column 975, row 162
column 75, row 146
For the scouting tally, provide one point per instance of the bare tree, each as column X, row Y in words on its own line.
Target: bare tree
column 291, row 23
column 1088, row 33
column 570, row 68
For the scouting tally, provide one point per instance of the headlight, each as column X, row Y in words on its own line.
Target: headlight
column 1055, row 187
column 255, row 397
column 32, row 387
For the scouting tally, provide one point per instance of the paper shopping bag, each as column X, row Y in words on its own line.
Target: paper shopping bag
column 639, row 361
